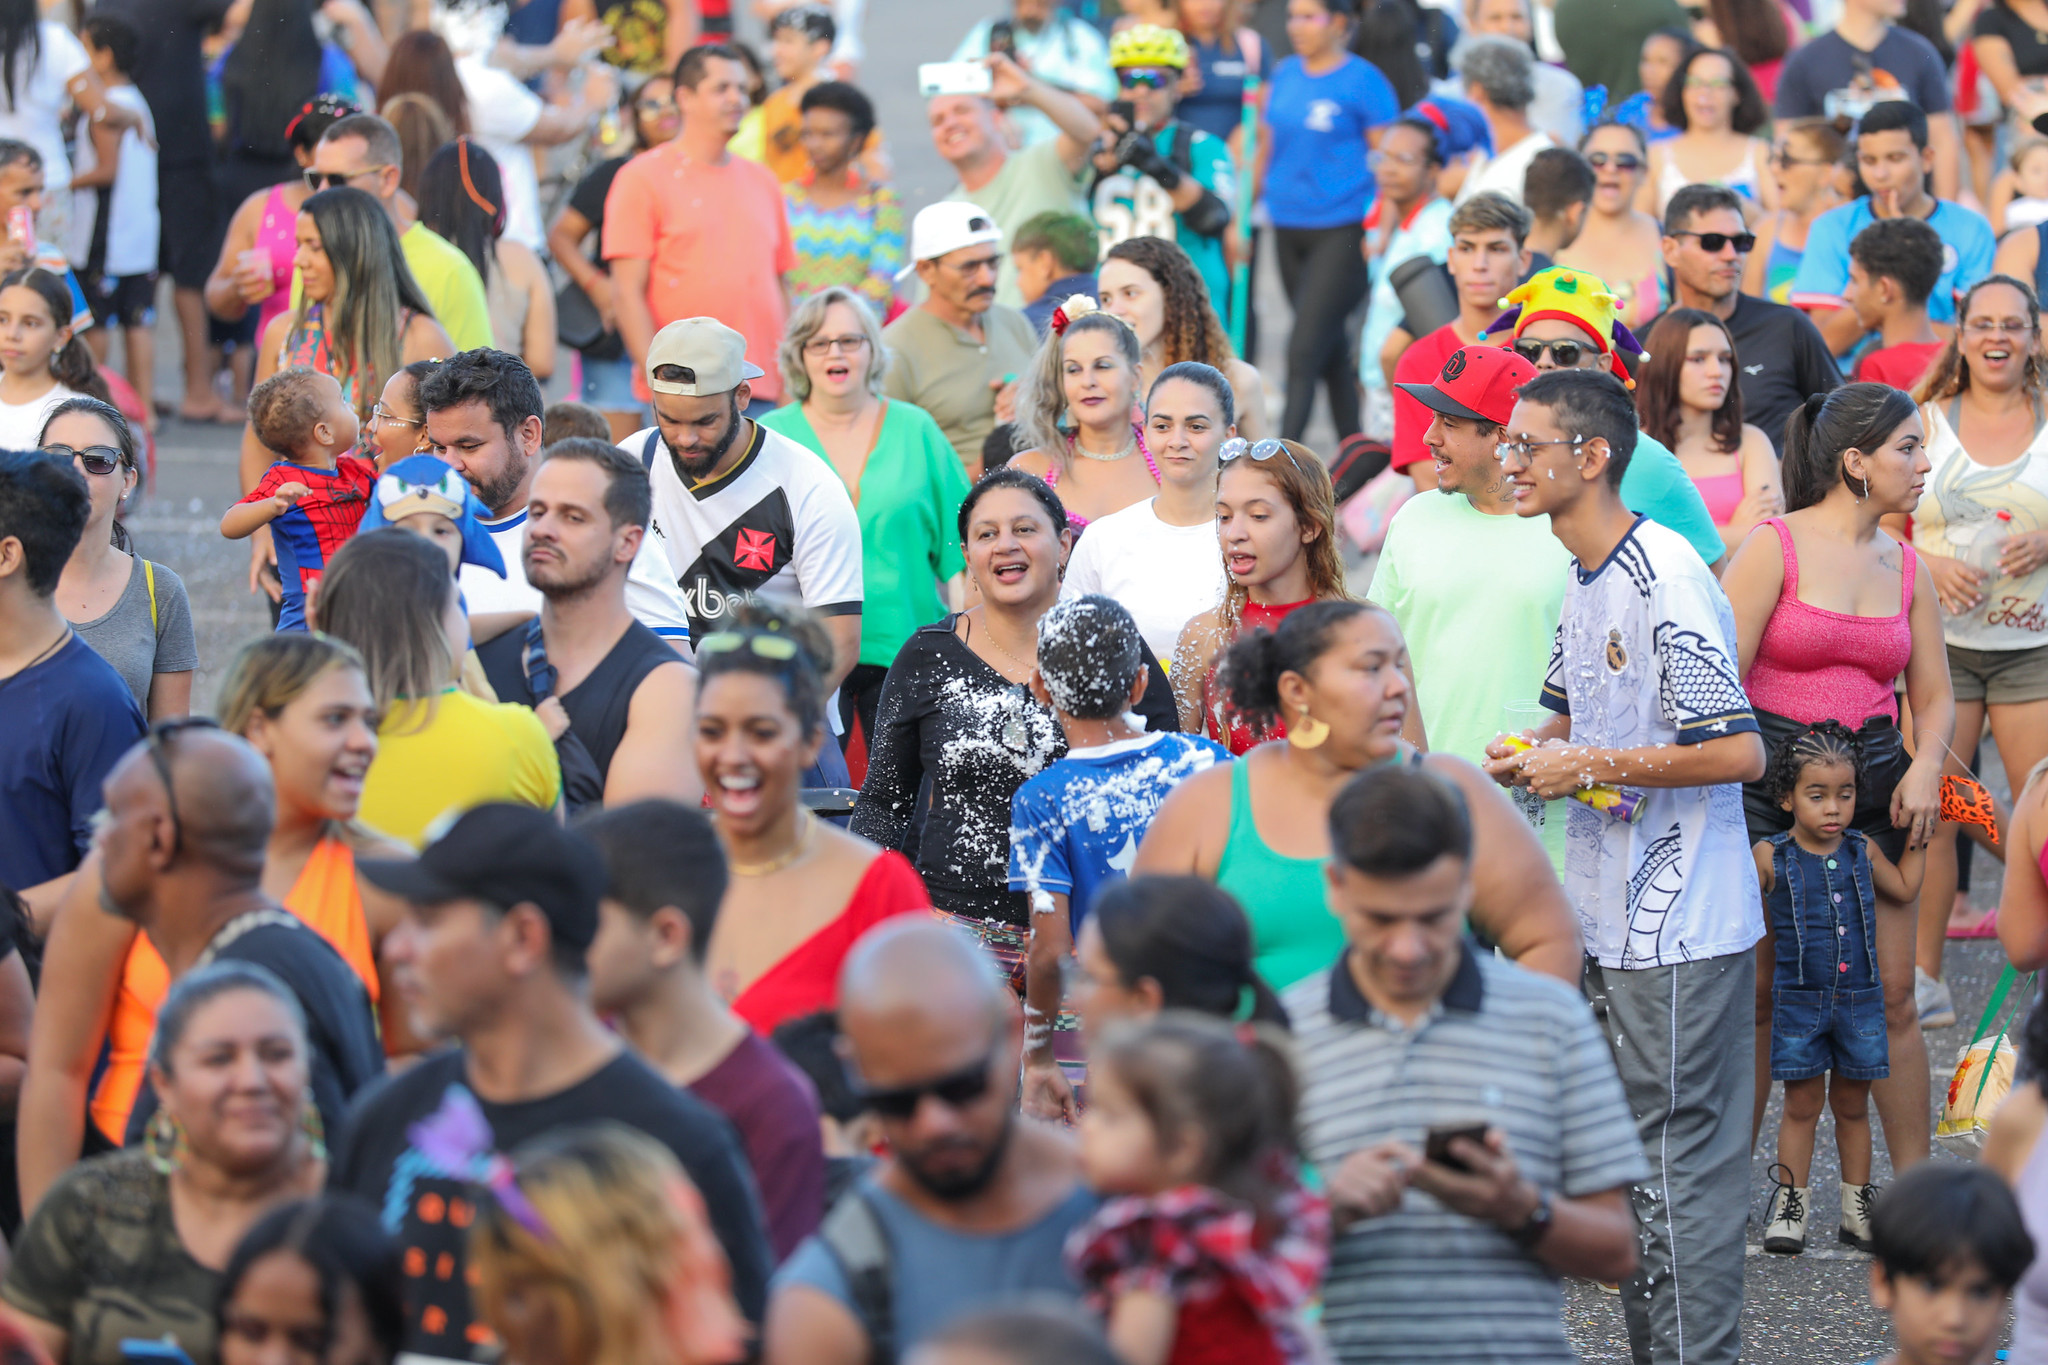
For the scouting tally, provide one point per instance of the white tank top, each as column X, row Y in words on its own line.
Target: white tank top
column 1962, row 495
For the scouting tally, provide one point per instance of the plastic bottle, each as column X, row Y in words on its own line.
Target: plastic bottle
column 1979, row 543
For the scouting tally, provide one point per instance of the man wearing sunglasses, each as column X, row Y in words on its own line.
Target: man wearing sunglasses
column 1896, row 163
column 1156, row 176
column 68, row 717
column 1563, row 319
column 973, row 1202
column 1780, row 356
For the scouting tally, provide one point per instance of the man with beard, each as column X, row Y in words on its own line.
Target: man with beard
column 188, row 815
column 973, row 1202
column 484, row 416
column 738, row 509
column 586, row 665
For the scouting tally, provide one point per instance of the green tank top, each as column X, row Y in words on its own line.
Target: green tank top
column 1293, row 932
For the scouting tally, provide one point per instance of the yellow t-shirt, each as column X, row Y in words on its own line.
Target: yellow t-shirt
column 470, row 753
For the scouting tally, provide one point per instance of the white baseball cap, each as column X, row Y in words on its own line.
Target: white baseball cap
column 698, row 357
column 946, row 227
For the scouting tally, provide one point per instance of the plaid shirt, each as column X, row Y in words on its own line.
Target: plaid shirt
column 1192, row 1242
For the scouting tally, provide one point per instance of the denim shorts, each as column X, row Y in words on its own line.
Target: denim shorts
column 1814, row 1032
column 608, row 385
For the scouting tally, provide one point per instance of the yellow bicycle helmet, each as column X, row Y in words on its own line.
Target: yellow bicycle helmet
column 1148, row 45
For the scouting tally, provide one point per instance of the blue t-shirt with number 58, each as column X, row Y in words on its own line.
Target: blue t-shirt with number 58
column 1318, row 176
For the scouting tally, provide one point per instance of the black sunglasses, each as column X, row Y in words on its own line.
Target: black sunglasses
column 95, row 459
column 956, row 1091
column 1713, row 242
column 159, row 741
column 317, row 181
column 1566, row 353
column 1621, row 161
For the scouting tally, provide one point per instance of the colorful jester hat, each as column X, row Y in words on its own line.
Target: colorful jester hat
column 1578, row 298
column 422, row 483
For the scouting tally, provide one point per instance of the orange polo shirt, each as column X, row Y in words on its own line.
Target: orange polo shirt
column 717, row 244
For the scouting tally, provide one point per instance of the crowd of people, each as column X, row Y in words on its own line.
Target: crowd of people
column 912, row 815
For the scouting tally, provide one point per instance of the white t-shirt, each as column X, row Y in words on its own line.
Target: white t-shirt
column 1163, row 575
column 21, row 424
column 650, row 591
column 40, row 98
column 1960, row 497
column 503, row 112
column 779, row 525
column 1645, row 655
column 133, row 226
column 1503, row 173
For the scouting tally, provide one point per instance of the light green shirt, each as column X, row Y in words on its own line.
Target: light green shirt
column 1031, row 182
column 908, row 503
column 1478, row 599
column 453, row 289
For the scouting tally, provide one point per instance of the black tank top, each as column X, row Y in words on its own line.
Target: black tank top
column 599, row 705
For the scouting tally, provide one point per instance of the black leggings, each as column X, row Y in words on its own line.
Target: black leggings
column 1325, row 278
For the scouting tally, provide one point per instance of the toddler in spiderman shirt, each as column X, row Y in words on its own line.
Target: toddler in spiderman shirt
column 313, row 496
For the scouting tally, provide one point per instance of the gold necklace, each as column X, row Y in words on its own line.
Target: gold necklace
column 1015, row 662
column 808, row 823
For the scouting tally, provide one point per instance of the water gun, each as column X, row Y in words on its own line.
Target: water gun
column 1618, row 802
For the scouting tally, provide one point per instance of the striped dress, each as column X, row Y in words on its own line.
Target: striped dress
column 859, row 245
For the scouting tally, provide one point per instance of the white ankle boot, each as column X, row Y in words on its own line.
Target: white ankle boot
column 1785, row 1229
column 1858, row 1202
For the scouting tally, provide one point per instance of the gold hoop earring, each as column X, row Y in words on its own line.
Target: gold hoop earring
column 164, row 1142
column 1308, row 732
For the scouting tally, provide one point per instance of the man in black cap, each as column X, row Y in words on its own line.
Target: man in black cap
column 501, row 911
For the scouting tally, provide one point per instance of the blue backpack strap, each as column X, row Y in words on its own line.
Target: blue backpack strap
column 652, row 444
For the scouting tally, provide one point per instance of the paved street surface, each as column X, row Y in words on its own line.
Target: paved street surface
column 1812, row 1309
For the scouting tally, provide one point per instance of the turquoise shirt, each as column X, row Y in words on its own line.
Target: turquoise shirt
column 1128, row 205
column 1656, row 485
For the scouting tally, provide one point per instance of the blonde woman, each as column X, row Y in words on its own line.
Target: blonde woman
column 1077, row 425
column 595, row 1249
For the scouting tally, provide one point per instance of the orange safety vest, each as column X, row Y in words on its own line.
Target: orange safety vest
column 325, row 896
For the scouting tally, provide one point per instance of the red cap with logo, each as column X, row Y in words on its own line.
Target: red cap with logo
column 1478, row 383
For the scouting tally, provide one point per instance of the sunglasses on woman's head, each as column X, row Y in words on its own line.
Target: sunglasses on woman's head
column 780, row 648
column 94, row 459
column 1567, row 354
column 1621, row 161
column 1265, row 450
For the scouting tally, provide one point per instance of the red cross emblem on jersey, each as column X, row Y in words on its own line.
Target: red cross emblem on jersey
column 755, row 550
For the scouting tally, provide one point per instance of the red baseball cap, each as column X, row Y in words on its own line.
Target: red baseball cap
column 1478, row 383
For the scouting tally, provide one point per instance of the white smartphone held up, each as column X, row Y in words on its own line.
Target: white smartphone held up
column 953, row 78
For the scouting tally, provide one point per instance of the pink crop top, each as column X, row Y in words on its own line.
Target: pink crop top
column 1813, row 665
column 1722, row 493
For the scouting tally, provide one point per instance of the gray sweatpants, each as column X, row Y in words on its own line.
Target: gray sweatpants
column 1684, row 1040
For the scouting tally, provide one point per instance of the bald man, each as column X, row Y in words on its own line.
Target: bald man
column 188, row 814
column 974, row 1202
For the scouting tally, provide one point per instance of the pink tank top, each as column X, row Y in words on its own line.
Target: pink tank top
column 1813, row 665
column 1722, row 493
column 277, row 236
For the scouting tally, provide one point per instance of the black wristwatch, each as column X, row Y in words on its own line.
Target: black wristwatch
column 1535, row 1225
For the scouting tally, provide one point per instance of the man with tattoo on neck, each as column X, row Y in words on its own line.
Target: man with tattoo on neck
column 1475, row 589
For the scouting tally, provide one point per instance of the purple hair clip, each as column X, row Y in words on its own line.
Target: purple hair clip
column 456, row 1140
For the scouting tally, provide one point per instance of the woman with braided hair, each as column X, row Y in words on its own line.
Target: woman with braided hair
column 1831, row 612
column 1150, row 283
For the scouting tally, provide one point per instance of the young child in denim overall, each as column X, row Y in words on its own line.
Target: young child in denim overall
column 1820, row 881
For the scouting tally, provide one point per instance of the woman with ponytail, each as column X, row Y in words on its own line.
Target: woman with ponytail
column 1168, row 943
column 1336, row 673
column 1830, row 612
column 42, row 361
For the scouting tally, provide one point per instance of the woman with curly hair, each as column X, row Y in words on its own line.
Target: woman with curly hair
column 1333, row 678
column 1831, row 612
column 1150, row 283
